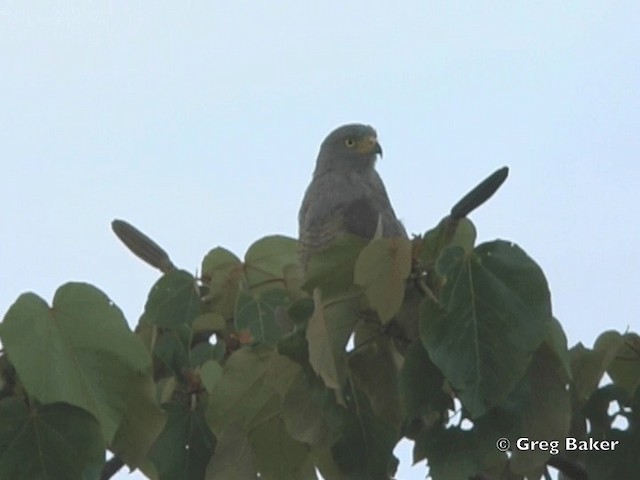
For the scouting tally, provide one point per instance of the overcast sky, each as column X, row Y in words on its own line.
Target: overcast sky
column 199, row 122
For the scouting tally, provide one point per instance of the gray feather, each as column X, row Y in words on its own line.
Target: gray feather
column 346, row 194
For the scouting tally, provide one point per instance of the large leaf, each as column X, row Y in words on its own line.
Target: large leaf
column 257, row 313
column 208, row 322
column 328, row 467
column 56, row 442
column 266, row 259
column 457, row 454
column 172, row 349
column 293, row 280
column 295, row 347
column 557, row 341
column 303, row 410
column 493, row 313
column 240, row 394
column 381, row 269
column 461, row 233
column 221, row 272
column 143, row 422
column 277, row 455
column 217, row 264
column 174, row 300
column 247, row 400
column 588, row 366
column 79, row 351
column 624, row 369
column 251, row 388
column 421, row 391
column 365, row 448
column 233, row 459
column 183, row 450
column 328, row 331
column 331, row 270
column 548, row 413
column 467, row 448
column 374, row 369
column 210, row 373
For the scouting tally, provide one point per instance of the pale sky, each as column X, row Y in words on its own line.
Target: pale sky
column 199, row 122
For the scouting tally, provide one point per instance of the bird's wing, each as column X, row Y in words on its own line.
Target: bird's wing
column 335, row 205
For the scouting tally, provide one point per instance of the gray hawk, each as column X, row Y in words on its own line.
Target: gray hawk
column 346, row 195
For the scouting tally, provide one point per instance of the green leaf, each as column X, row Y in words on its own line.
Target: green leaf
column 557, row 341
column 295, row 347
column 588, row 366
column 218, row 263
column 469, row 448
column 329, row 329
column 266, row 259
column 221, row 272
column 624, row 369
column 374, row 369
column 185, row 446
column 303, row 411
column 464, row 235
column 56, row 442
column 258, row 314
column 79, row 351
column 172, row 349
column 143, row 422
column 211, row 321
column 327, row 466
column 586, row 370
column 494, row 312
column 448, row 232
column 210, row 373
column 174, row 300
column 365, row 448
column 248, row 397
column 421, row 391
column 300, row 311
column 293, row 279
column 277, row 455
column 233, row 459
column 548, row 413
column 456, row 454
column 381, row 269
column 252, row 385
column 206, row 351
column 240, row 395
column 368, row 330
column 331, row 270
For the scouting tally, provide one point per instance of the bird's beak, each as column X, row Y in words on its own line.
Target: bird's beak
column 370, row 145
column 377, row 148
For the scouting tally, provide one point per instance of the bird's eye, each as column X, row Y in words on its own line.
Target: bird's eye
column 350, row 142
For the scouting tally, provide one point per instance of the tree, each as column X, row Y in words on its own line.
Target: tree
column 252, row 371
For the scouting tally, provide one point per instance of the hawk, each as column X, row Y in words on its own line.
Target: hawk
column 346, row 195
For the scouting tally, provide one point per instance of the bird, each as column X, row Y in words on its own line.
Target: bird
column 346, row 194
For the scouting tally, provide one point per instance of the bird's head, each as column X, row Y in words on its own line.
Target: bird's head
column 352, row 147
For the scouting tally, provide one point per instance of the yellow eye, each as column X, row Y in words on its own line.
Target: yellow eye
column 350, row 142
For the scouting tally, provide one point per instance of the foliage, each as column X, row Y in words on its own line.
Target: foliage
column 254, row 370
